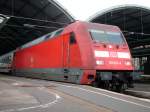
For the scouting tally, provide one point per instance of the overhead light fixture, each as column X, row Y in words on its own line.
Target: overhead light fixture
column 29, row 25
column 131, row 33
column 1, row 19
column 135, row 33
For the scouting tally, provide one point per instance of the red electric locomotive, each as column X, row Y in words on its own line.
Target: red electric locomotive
column 82, row 52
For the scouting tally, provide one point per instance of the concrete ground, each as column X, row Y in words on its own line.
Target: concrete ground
column 140, row 90
column 141, row 87
column 33, row 95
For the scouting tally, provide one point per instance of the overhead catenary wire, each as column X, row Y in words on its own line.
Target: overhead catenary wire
column 105, row 18
column 124, row 20
column 52, row 27
column 141, row 14
column 32, row 26
column 135, row 33
column 12, row 7
column 33, row 19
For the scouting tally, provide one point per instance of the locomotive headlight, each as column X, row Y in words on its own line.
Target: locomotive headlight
column 100, row 62
column 127, row 63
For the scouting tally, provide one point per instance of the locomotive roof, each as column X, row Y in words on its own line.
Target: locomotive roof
column 95, row 25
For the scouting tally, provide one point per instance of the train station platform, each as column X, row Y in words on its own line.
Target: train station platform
column 19, row 94
column 141, row 87
column 140, row 90
column 11, row 94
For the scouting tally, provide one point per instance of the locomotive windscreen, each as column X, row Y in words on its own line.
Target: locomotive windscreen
column 107, row 37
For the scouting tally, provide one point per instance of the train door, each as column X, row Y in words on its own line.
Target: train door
column 66, row 55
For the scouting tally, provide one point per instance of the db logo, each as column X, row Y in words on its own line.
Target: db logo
column 113, row 54
column 114, row 63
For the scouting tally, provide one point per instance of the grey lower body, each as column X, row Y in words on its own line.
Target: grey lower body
column 56, row 74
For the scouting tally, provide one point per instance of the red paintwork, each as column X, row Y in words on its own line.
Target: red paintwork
column 118, row 66
column 48, row 54
column 53, row 53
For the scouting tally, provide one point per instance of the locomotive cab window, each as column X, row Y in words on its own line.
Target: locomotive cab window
column 107, row 36
column 115, row 37
column 99, row 36
column 72, row 38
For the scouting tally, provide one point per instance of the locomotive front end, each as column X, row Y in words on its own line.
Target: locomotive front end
column 113, row 61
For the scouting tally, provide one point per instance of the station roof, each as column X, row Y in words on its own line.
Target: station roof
column 134, row 22
column 24, row 20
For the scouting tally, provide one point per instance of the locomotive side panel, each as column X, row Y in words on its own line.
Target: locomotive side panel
column 86, row 54
column 47, row 54
column 43, row 60
column 74, row 52
column 50, row 60
column 84, row 43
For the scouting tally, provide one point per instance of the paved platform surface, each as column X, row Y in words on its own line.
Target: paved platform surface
column 140, row 90
column 141, row 87
column 33, row 95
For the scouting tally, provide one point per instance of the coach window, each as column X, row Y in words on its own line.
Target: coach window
column 72, row 38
